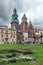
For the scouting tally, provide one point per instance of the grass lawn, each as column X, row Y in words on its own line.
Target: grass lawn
column 21, row 63
column 37, row 49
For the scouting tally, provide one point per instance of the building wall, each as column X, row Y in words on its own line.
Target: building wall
column 38, row 36
column 31, row 39
column 12, row 25
column 25, row 37
column 7, row 36
column 41, row 33
column 24, row 27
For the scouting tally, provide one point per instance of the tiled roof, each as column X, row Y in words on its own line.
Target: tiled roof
column 24, row 17
column 18, row 27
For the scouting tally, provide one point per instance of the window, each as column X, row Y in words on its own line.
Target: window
column 2, row 40
column 2, row 35
column 30, row 32
column 11, row 35
column 14, row 35
column 26, row 38
column 12, row 40
column 6, row 39
column 6, row 31
column 15, row 17
column 2, row 31
column 6, row 35
column 25, row 28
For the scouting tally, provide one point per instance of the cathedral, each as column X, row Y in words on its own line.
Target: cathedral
column 23, row 33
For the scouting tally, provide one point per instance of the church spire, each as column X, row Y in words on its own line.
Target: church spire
column 30, row 21
column 15, row 16
column 24, row 17
column 30, row 24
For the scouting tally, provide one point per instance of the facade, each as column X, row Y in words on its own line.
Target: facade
column 24, row 28
column 20, row 33
column 15, row 24
column 39, row 35
column 30, row 33
column 7, row 36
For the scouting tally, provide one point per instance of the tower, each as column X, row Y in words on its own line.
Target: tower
column 24, row 24
column 30, row 32
column 15, row 25
column 30, row 25
column 14, row 19
column 30, row 29
column 24, row 27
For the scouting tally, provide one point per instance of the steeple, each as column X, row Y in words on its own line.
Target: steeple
column 15, row 16
column 15, row 21
column 30, row 24
column 24, row 18
column 24, row 24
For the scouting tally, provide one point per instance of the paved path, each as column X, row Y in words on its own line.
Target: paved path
column 35, row 63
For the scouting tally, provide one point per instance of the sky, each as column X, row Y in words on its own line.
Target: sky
column 32, row 8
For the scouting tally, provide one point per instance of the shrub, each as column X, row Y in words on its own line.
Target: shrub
column 27, row 52
column 11, row 51
column 14, row 54
column 12, row 60
column 1, row 57
column 9, row 56
column 15, row 51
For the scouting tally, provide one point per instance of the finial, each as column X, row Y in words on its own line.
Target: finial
column 14, row 11
column 30, row 20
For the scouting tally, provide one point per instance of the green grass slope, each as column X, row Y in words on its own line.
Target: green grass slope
column 37, row 49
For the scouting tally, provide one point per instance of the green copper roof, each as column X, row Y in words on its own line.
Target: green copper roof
column 15, row 16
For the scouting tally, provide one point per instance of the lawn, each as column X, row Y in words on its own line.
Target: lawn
column 21, row 63
column 36, row 48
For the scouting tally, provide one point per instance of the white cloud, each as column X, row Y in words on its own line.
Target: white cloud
column 32, row 8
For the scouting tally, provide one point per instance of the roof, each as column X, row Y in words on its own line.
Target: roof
column 14, row 22
column 24, row 17
column 5, row 27
column 18, row 27
column 30, row 26
column 37, row 33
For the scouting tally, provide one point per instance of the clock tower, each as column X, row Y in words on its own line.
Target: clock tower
column 24, row 27
column 14, row 19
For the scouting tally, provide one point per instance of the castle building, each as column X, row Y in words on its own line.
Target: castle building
column 30, row 32
column 7, row 36
column 24, row 28
column 19, row 33
column 38, row 36
column 15, row 23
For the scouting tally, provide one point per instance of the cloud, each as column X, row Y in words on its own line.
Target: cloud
column 32, row 8
column 6, row 9
column 36, row 15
